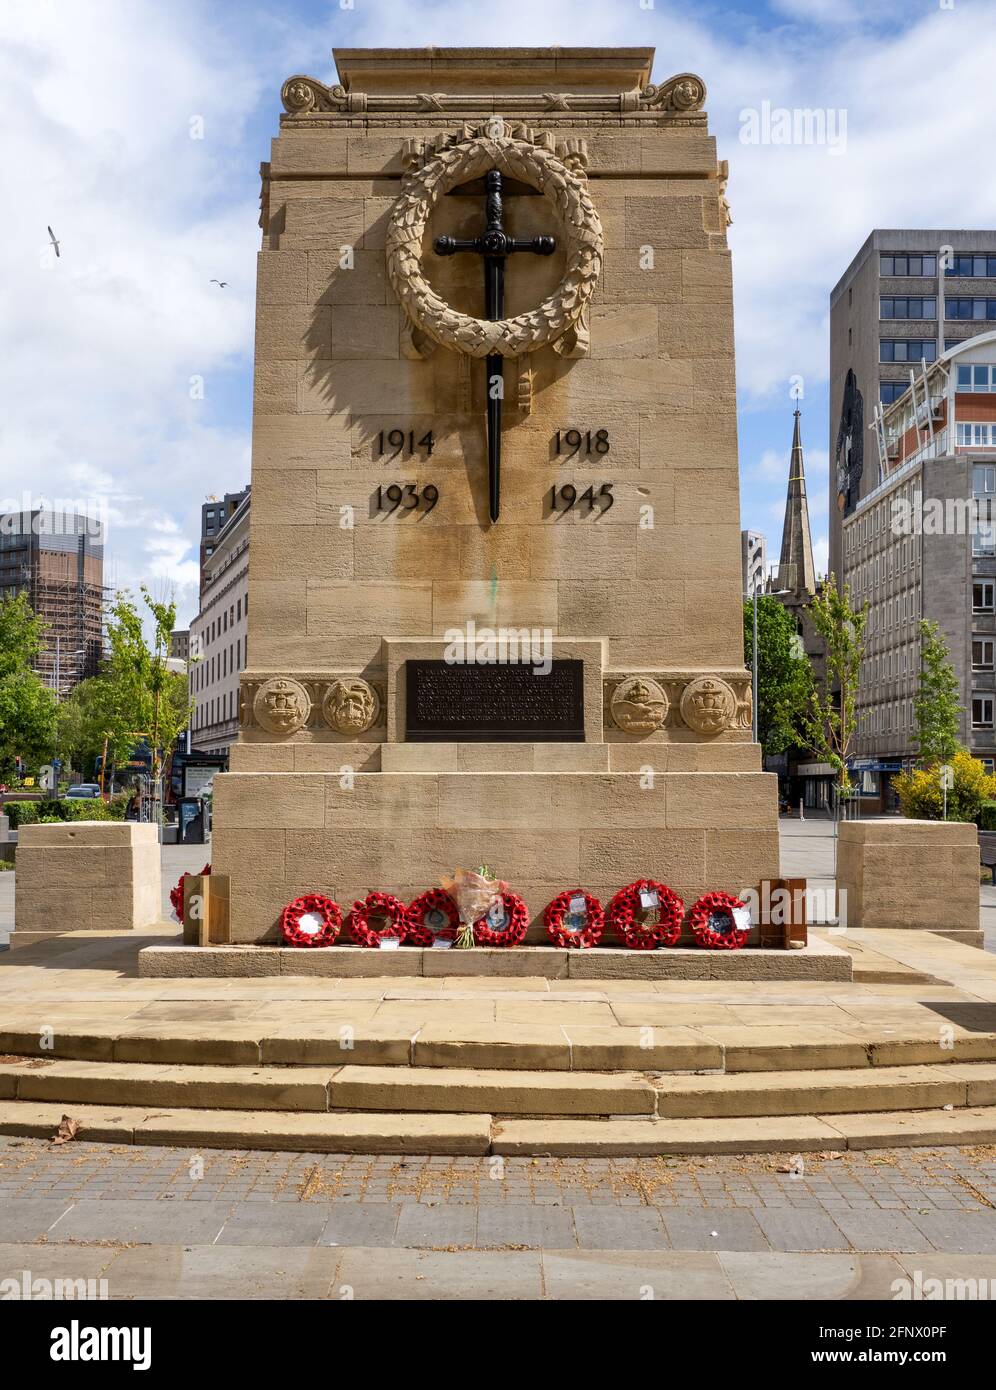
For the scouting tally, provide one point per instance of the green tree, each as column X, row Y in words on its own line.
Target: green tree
column 146, row 700
column 87, row 717
column 27, row 707
column 936, row 706
column 784, row 674
column 832, row 719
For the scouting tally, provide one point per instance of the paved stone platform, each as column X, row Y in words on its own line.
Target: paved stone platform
column 166, row 1222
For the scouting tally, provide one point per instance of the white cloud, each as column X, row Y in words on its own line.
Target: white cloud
column 102, row 342
column 96, row 100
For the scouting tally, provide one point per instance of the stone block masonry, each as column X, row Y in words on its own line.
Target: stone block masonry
column 86, row 876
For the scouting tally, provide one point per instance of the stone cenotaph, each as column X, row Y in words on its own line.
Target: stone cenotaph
column 494, row 557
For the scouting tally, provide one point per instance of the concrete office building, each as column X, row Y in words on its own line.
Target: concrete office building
column 921, row 544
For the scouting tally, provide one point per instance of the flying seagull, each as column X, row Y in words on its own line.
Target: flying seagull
column 222, row 284
column 52, row 239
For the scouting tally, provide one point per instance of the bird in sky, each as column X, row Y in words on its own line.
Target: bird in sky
column 52, row 238
column 222, row 284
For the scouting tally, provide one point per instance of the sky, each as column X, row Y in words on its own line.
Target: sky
column 135, row 128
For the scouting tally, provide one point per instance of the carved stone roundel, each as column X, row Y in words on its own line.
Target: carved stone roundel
column 281, row 705
column 708, row 705
column 350, row 706
column 639, row 705
column 459, row 163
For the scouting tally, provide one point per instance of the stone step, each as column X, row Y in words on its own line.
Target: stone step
column 403, row 1089
column 531, row 1046
column 349, row 1132
column 233, row 1129
column 768, row 1134
column 454, row 1090
column 826, row 1092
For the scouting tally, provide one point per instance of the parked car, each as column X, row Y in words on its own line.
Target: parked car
column 88, row 791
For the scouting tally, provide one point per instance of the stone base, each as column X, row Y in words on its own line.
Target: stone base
column 902, row 874
column 820, row 960
column 278, row 835
column 86, row 876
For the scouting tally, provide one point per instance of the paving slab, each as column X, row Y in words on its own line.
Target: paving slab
column 793, row 1228
column 643, row 1276
column 360, row 1223
column 538, row 1227
column 282, row 1223
column 784, row 1277
column 713, row 1230
column 890, row 1231
column 421, row 1225
column 225, row 1272
column 28, row 1218
column 613, row 1228
column 973, row 1232
column 417, row 1275
column 152, row 1223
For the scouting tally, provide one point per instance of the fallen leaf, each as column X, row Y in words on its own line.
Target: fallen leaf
column 68, row 1129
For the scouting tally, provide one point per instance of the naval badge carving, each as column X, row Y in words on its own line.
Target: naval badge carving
column 281, row 705
column 708, row 705
column 350, row 706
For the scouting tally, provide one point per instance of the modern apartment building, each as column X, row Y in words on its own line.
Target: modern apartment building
column 921, row 543
column 56, row 557
column 218, row 635
column 753, row 562
column 908, row 296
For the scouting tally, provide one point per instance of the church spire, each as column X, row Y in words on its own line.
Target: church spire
column 796, row 570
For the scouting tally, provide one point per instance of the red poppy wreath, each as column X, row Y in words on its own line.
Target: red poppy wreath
column 504, row 924
column 714, row 924
column 386, row 908
column 574, row 918
column 432, row 916
column 646, row 914
column 311, row 920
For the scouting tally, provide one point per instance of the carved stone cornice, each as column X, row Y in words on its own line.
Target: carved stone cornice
column 708, row 702
column 681, row 97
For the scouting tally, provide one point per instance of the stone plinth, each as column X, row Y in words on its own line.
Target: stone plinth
column 911, row 874
column 401, row 832
column 86, row 876
column 820, row 960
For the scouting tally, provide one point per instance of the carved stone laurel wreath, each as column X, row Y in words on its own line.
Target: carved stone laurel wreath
column 708, row 704
column 422, row 189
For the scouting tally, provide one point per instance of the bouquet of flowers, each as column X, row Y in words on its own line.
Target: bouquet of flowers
column 475, row 892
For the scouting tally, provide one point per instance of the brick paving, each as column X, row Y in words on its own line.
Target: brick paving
column 880, row 1200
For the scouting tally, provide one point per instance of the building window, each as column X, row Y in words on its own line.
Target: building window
column 890, row 391
column 982, row 654
column 976, row 376
column 982, row 711
column 972, row 267
column 907, row 349
column 908, row 265
column 983, row 596
column 891, row 308
column 975, row 309
column 983, row 480
column 976, row 436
